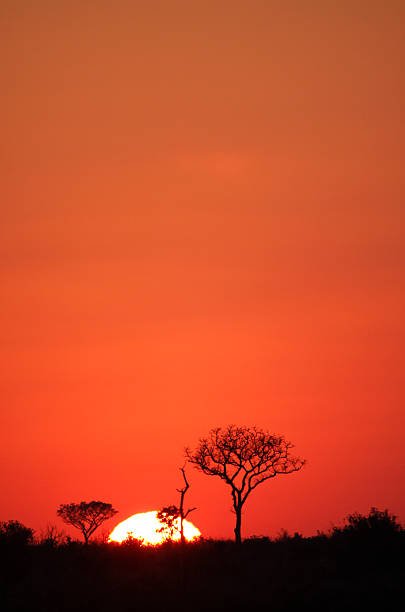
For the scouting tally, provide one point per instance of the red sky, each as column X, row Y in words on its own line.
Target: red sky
column 202, row 224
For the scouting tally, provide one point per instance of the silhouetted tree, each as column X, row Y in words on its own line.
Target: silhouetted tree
column 243, row 457
column 169, row 515
column 183, row 513
column 86, row 516
column 15, row 533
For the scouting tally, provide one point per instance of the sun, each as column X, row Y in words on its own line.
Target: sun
column 145, row 527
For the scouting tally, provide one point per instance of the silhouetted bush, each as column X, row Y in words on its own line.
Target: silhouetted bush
column 52, row 537
column 14, row 533
column 376, row 523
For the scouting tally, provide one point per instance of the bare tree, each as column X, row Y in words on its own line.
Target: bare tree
column 52, row 536
column 183, row 513
column 86, row 516
column 243, row 457
column 169, row 514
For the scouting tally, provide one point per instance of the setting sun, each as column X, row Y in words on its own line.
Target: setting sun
column 147, row 527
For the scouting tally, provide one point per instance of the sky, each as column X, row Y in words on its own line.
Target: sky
column 202, row 224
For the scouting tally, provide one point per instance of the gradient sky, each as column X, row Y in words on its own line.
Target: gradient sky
column 202, row 224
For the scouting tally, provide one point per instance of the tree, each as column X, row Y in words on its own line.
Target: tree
column 183, row 513
column 15, row 533
column 170, row 514
column 243, row 457
column 86, row 516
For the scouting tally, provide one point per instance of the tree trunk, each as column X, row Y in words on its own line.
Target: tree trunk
column 238, row 525
column 181, row 525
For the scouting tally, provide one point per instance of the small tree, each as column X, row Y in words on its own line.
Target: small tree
column 170, row 514
column 183, row 513
column 86, row 516
column 243, row 457
column 15, row 533
column 168, row 517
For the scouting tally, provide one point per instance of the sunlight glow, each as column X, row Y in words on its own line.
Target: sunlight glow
column 145, row 526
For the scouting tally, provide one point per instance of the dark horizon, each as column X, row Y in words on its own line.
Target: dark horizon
column 358, row 566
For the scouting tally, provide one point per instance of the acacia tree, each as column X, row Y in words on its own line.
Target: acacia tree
column 86, row 516
column 243, row 457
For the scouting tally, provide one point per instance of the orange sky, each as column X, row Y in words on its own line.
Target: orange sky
column 202, row 224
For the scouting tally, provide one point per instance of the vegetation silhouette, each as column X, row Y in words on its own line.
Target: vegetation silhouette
column 357, row 566
column 183, row 513
column 377, row 523
column 52, row 536
column 14, row 533
column 243, row 457
column 169, row 514
column 86, row 516
column 168, row 517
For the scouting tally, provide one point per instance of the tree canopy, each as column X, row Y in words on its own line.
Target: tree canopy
column 243, row 457
column 15, row 533
column 86, row 516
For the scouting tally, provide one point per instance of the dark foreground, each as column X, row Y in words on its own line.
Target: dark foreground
column 340, row 571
